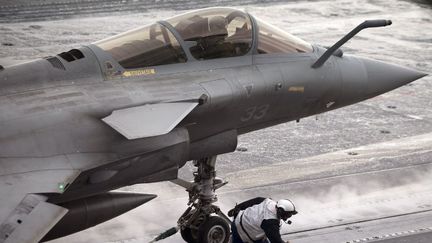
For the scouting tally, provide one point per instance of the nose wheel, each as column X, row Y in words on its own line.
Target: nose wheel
column 214, row 230
column 203, row 222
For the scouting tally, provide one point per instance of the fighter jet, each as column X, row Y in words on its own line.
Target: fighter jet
column 134, row 108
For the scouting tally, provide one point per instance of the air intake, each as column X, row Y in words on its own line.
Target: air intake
column 76, row 53
column 67, row 56
column 72, row 55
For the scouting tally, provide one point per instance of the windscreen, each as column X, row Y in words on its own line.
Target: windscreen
column 274, row 40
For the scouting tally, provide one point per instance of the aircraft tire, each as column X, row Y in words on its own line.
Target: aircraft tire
column 214, row 230
column 188, row 235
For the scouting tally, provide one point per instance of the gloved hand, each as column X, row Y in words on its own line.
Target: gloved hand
column 233, row 212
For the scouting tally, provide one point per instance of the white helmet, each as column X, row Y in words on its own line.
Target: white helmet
column 287, row 206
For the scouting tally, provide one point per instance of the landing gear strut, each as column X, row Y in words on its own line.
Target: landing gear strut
column 203, row 222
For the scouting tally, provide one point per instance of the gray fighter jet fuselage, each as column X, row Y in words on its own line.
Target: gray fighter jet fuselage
column 94, row 119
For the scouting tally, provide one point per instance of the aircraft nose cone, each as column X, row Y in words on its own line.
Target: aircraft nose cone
column 383, row 77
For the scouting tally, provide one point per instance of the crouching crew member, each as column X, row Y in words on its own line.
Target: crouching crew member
column 258, row 220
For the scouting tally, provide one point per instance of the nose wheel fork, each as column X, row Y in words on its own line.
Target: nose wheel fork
column 203, row 222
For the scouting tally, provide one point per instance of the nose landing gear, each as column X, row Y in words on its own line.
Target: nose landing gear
column 203, row 222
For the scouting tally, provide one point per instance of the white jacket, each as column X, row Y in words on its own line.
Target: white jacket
column 248, row 222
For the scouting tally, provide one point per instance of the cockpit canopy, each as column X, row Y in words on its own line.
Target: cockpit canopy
column 201, row 35
column 147, row 46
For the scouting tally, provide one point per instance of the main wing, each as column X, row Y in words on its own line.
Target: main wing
column 25, row 216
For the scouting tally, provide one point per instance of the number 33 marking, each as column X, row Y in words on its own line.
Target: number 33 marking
column 255, row 112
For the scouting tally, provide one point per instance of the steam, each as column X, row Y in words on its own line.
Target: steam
column 362, row 197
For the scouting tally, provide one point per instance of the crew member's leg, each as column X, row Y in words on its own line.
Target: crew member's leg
column 235, row 236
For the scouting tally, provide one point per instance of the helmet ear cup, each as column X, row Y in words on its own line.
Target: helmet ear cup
column 280, row 212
